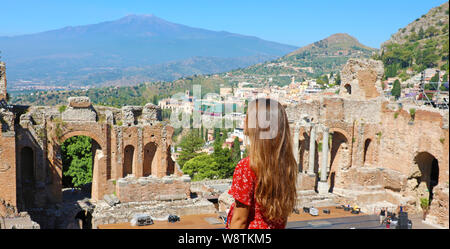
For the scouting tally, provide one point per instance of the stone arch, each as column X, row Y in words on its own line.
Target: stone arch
column 98, row 163
column 150, row 157
column 341, row 131
column 128, row 161
column 348, row 89
column 27, row 175
column 94, row 147
column 428, row 175
column 90, row 134
column 340, row 156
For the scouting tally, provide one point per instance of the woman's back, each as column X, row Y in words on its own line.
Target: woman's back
column 243, row 190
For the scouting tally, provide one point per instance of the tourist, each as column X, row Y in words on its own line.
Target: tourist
column 382, row 215
column 264, row 182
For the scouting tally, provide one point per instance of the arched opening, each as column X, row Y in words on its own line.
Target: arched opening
column 128, row 160
column 348, row 88
column 429, row 173
column 149, row 157
column 78, row 157
column 340, row 156
column 27, row 176
column 367, row 151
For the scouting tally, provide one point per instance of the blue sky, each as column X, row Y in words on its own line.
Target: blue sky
column 296, row 23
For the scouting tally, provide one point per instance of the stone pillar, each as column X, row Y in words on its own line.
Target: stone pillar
column 312, row 150
column 2, row 81
column 98, row 176
column 323, row 184
column 295, row 144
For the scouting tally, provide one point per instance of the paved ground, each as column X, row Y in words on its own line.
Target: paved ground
column 337, row 219
column 355, row 222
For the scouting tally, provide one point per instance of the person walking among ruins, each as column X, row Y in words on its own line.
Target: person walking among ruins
column 382, row 215
column 264, row 182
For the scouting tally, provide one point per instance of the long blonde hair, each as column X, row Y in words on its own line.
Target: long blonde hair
column 271, row 158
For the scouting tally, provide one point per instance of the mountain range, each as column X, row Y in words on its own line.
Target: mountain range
column 132, row 49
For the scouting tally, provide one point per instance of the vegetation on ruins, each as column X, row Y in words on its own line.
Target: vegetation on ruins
column 424, row 203
column 412, row 113
column 378, row 136
column 76, row 156
column 62, row 108
column 58, row 129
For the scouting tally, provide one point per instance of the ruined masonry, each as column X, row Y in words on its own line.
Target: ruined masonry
column 355, row 148
column 131, row 158
column 359, row 148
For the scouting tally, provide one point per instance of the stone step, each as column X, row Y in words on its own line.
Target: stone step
column 316, row 200
column 306, row 193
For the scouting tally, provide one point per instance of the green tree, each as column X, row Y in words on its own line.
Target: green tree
column 435, row 78
column 223, row 158
column 396, row 89
column 201, row 167
column 189, row 145
column 236, row 151
column 77, row 161
column 338, row 79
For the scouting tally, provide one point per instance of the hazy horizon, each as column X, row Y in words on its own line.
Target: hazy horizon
column 291, row 22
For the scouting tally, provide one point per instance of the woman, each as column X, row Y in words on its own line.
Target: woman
column 264, row 182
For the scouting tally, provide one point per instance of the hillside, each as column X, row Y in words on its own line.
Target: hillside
column 422, row 44
column 135, row 48
column 325, row 56
column 321, row 57
column 141, row 94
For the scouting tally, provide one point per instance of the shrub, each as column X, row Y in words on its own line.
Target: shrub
column 62, row 108
column 412, row 112
column 424, row 203
column 396, row 115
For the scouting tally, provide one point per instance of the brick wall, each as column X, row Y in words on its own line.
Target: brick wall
column 8, row 169
column 131, row 189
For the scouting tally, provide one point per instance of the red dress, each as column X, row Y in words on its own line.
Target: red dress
column 243, row 190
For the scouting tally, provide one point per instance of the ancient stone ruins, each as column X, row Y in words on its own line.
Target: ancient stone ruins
column 356, row 148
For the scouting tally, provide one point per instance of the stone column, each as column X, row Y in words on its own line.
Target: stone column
column 323, row 184
column 2, row 81
column 312, row 150
column 295, row 144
